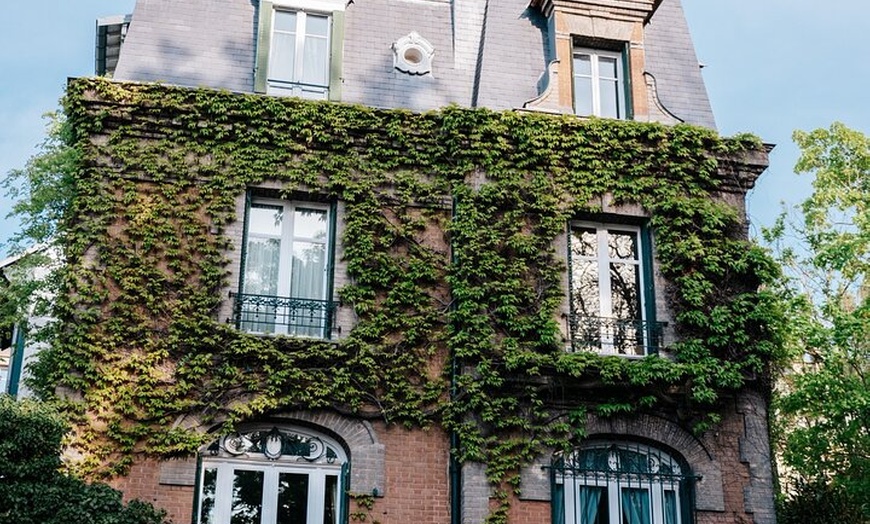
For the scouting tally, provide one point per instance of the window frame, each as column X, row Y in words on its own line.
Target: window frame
column 644, row 264
column 623, row 93
column 287, row 239
column 333, row 10
column 317, row 470
column 614, row 481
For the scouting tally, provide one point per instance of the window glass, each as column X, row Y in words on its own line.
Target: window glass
column 247, row 505
column 285, row 21
column 598, row 83
column 606, row 292
column 292, row 498
column 285, row 284
column 618, row 483
column 271, row 476
column 209, row 488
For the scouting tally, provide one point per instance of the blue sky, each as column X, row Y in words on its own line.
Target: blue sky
column 772, row 66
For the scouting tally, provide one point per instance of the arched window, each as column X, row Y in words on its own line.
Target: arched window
column 620, row 483
column 272, row 475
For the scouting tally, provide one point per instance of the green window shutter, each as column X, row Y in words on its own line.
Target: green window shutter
column 17, row 362
column 330, row 268
column 264, row 39
column 344, row 510
column 626, row 73
column 648, row 283
column 335, row 58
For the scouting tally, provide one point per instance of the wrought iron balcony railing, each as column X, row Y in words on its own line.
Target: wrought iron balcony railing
column 283, row 315
column 615, row 336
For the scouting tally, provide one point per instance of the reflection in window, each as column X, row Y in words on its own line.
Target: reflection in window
column 271, row 476
column 285, row 286
column 607, row 289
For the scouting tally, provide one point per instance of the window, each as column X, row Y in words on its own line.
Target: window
column 272, row 476
column 299, row 48
column 611, row 302
column 620, row 483
column 599, row 83
column 286, row 282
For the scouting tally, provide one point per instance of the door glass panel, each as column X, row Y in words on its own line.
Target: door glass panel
column 330, row 500
column 247, row 505
column 285, row 21
column 207, row 497
column 315, row 64
column 292, row 498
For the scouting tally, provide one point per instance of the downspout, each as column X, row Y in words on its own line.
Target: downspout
column 455, row 465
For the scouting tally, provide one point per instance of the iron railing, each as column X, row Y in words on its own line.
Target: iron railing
column 621, row 482
column 616, row 335
column 283, row 315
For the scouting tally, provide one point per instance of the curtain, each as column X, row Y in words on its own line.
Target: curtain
column 589, row 498
column 635, row 506
column 670, row 507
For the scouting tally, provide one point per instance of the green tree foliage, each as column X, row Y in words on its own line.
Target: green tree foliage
column 32, row 489
column 823, row 407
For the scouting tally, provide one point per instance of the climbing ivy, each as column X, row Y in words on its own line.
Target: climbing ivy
column 450, row 240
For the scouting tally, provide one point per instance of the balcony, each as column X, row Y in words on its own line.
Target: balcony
column 616, row 336
column 273, row 315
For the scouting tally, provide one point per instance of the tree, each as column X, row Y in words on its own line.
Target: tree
column 822, row 407
column 34, row 491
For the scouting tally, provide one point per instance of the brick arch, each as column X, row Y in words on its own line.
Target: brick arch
column 358, row 437
column 367, row 464
column 663, row 433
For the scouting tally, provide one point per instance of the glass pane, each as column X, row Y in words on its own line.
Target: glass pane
column 292, row 498
column 609, row 92
column 671, row 514
column 584, row 242
column 285, row 21
column 583, row 96
column 608, row 67
column 310, row 223
column 582, row 65
column 247, row 497
column 635, row 506
column 316, row 25
column 315, row 63
column 265, row 220
column 308, row 270
column 261, row 266
column 622, row 245
column 282, row 57
column 207, row 495
column 592, row 506
column 330, row 500
column 585, row 292
column 625, row 291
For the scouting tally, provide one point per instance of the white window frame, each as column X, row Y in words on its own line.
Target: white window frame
column 605, row 293
column 615, row 482
column 317, row 472
column 295, row 87
column 285, row 258
column 595, row 77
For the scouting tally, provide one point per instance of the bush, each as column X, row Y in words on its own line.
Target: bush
column 32, row 488
column 819, row 502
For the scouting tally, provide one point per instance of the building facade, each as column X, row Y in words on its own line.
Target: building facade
column 295, row 300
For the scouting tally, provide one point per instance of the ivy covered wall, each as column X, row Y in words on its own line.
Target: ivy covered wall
column 465, row 337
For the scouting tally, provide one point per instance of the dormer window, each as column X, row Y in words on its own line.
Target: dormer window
column 599, row 83
column 299, row 48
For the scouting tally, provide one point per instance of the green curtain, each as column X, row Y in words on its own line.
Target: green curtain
column 635, row 506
